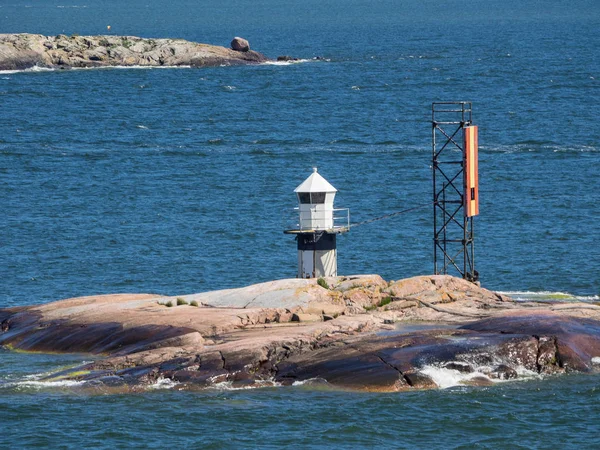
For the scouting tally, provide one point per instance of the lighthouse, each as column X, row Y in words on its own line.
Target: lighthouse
column 318, row 225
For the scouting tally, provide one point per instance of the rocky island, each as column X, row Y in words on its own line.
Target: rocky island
column 24, row 51
column 356, row 332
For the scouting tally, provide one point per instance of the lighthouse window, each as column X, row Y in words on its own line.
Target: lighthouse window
column 304, row 197
column 314, row 197
column 318, row 197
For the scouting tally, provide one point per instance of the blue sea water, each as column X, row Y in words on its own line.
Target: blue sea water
column 175, row 181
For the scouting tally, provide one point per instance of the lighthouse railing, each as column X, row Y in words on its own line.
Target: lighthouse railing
column 341, row 218
column 337, row 219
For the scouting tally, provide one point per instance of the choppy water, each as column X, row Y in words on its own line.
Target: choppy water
column 177, row 181
column 527, row 414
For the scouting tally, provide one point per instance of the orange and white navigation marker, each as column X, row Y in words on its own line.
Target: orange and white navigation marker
column 471, row 192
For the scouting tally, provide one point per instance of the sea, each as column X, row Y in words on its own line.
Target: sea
column 181, row 180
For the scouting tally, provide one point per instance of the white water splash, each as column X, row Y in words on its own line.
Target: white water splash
column 35, row 69
column 231, row 386
column 29, row 70
column 289, row 63
column 163, row 383
column 446, row 378
column 310, row 382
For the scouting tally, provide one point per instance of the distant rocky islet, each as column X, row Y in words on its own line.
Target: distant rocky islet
column 24, row 51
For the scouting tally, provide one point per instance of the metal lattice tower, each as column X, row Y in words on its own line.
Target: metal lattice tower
column 455, row 189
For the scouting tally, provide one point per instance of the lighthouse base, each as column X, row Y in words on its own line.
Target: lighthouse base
column 317, row 264
column 317, row 255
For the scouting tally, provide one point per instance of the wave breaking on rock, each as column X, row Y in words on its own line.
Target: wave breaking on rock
column 356, row 332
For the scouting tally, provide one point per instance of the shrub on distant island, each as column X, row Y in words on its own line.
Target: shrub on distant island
column 193, row 303
column 169, row 304
column 181, row 301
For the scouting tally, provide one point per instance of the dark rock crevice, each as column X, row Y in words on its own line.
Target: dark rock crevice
column 407, row 379
column 448, row 311
column 223, row 362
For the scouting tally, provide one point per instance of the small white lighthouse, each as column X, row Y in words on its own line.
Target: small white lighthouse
column 319, row 224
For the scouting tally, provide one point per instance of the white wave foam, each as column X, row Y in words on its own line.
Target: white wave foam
column 524, row 372
column 132, row 67
column 163, row 383
column 446, row 378
column 47, row 384
column 230, row 385
column 49, row 69
column 28, row 70
column 224, row 386
column 534, row 147
column 309, row 382
column 289, row 63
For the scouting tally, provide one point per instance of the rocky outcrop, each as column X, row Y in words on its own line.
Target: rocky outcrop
column 286, row 58
column 357, row 332
column 240, row 44
column 22, row 51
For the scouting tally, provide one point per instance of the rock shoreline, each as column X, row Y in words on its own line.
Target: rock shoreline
column 25, row 51
column 359, row 333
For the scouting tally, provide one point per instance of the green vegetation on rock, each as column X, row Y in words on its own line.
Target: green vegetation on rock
column 323, row 283
column 385, row 301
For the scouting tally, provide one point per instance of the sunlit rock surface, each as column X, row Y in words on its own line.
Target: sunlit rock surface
column 356, row 332
column 24, row 51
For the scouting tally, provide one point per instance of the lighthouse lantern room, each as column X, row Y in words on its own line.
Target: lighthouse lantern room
column 319, row 224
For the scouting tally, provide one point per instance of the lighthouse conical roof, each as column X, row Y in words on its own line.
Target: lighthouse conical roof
column 315, row 183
